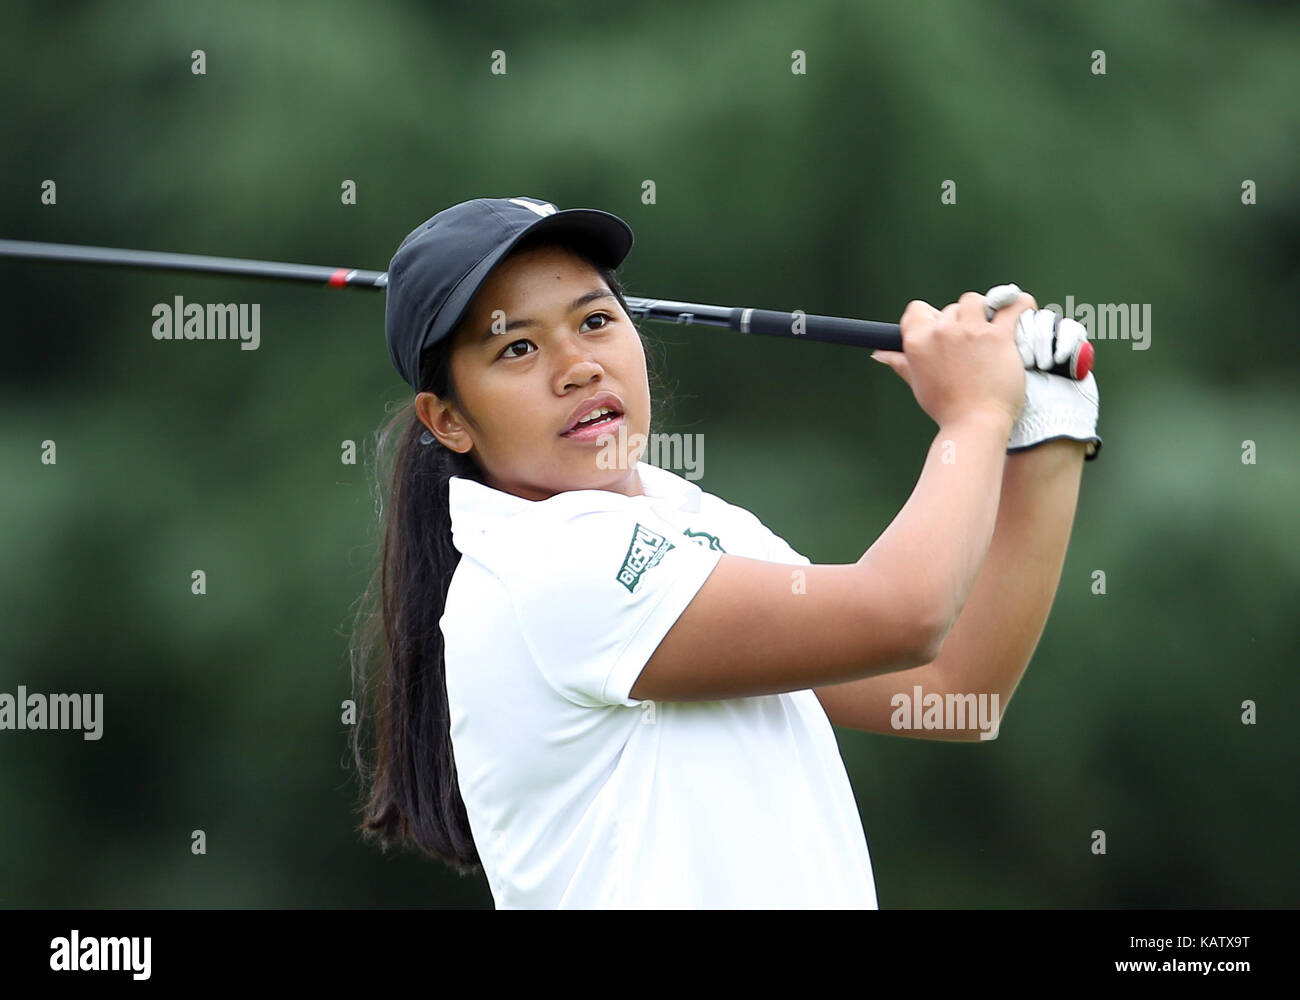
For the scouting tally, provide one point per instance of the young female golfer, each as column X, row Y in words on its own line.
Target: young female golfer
column 608, row 688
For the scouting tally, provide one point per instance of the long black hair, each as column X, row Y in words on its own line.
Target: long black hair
column 401, row 742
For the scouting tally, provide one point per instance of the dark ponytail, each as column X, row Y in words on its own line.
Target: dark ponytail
column 410, row 794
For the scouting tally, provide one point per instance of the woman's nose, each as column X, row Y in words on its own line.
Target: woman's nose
column 581, row 372
column 578, row 366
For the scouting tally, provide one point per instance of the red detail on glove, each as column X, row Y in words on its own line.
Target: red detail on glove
column 1083, row 362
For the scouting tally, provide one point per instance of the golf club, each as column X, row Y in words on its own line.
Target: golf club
column 767, row 322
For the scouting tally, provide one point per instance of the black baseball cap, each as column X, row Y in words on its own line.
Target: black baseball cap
column 442, row 262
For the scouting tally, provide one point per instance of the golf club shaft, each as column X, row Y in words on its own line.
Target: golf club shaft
column 767, row 322
column 337, row 277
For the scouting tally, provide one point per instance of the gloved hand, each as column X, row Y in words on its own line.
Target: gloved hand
column 1055, row 406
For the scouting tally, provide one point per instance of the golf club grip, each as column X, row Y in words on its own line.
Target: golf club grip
column 827, row 329
column 866, row 333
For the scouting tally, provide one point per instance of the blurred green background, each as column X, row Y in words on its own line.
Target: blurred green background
column 818, row 191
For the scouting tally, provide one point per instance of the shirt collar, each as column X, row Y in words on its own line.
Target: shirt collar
column 474, row 504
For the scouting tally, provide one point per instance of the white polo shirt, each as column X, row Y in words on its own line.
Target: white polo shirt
column 580, row 796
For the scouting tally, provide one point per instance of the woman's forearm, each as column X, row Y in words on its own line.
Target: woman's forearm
column 932, row 551
column 994, row 638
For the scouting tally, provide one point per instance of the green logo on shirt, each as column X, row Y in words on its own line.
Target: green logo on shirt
column 711, row 543
column 647, row 548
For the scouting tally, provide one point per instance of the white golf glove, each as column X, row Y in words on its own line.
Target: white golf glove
column 1055, row 406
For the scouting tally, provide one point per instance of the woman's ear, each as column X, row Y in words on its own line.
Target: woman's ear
column 442, row 420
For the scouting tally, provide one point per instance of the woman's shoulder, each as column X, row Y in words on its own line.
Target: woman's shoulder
column 764, row 542
column 716, row 507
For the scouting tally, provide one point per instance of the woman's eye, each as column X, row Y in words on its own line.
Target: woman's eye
column 604, row 317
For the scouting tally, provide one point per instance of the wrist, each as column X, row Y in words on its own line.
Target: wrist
column 992, row 419
column 1048, row 458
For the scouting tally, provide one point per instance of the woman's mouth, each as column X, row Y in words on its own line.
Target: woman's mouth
column 608, row 424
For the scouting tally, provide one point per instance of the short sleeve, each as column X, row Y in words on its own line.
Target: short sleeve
column 779, row 550
column 595, row 593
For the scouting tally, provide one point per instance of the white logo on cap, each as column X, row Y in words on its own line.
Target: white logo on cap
column 543, row 208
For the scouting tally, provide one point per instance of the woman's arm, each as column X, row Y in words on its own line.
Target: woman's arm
column 991, row 643
column 747, row 631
